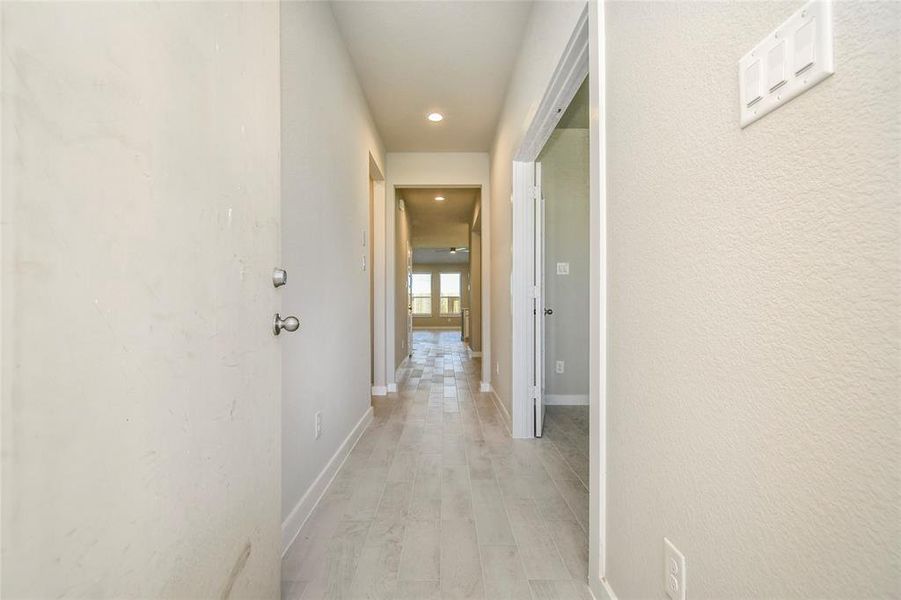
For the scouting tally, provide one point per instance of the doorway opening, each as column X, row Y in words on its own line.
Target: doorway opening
column 438, row 241
column 538, row 344
column 562, row 269
column 372, row 262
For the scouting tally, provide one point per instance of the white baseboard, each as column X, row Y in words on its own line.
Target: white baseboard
column 566, row 399
column 601, row 590
column 505, row 415
column 379, row 390
column 484, row 386
column 392, row 388
column 399, row 375
column 301, row 512
column 473, row 353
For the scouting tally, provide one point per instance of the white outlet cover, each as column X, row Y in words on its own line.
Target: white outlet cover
column 787, row 62
column 560, row 366
column 673, row 571
column 563, row 268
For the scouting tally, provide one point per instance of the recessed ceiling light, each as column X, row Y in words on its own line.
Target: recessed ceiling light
column 439, row 198
column 435, row 117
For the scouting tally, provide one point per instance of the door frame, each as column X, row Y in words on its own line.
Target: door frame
column 375, row 247
column 568, row 77
column 409, row 263
column 457, row 178
column 584, row 55
column 538, row 304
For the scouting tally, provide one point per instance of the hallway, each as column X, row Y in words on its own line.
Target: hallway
column 235, row 236
column 437, row 501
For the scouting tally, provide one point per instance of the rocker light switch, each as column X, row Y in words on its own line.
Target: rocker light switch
column 752, row 83
column 793, row 58
column 775, row 67
column 805, row 39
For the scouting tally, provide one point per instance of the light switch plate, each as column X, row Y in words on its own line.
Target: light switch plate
column 563, row 268
column 786, row 63
column 673, row 571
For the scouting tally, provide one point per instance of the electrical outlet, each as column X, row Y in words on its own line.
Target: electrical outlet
column 673, row 571
column 561, row 367
column 563, row 268
column 497, row 368
column 318, row 425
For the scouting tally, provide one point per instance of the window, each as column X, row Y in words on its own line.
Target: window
column 422, row 294
column 450, row 294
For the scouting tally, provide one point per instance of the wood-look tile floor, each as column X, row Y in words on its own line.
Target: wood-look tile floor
column 437, row 501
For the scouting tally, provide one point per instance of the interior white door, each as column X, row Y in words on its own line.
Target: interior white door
column 538, row 305
column 141, row 376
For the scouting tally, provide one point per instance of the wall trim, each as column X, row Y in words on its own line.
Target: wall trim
column 399, row 375
column 597, row 318
column 473, row 353
column 380, row 287
column 522, row 301
column 566, row 400
column 602, row 590
column 505, row 414
column 439, row 327
column 379, row 390
column 295, row 521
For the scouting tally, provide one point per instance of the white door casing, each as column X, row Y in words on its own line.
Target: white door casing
column 409, row 299
column 538, row 310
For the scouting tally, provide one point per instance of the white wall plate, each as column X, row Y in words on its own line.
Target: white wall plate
column 787, row 62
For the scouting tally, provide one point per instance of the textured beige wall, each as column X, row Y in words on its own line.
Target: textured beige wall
column 549, row 30
column 753, row 400
column 140, row 215
column 327, row 138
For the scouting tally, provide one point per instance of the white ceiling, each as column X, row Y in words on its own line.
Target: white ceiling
column 439, row 224
column 414, row 58
column 458, row 206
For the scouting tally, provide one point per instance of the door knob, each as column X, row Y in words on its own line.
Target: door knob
column 288, row 324
column 548, row 311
